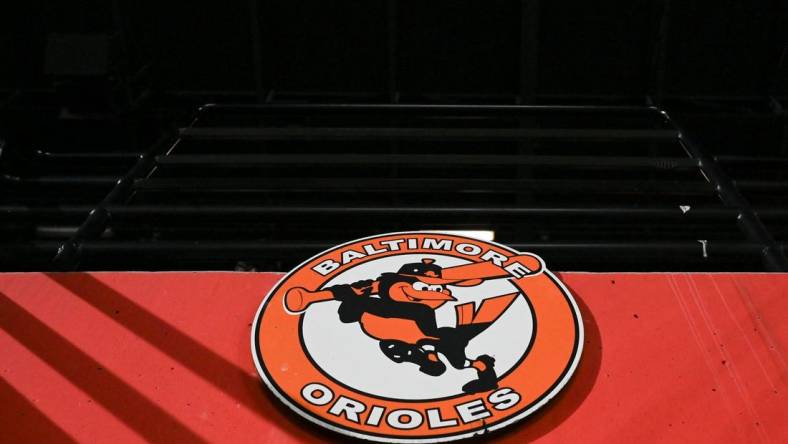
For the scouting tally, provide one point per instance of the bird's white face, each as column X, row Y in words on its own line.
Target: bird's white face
column 419, row 292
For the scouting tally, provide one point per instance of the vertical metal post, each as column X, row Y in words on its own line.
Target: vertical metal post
column 529, row 74
column 392, row 50
column 257, row 50
column 782, row 120
column 659, row 54
column 778, row 32
column 529, row 50
column 393, row 65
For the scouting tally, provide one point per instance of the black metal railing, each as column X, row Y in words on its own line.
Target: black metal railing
column 265, row 186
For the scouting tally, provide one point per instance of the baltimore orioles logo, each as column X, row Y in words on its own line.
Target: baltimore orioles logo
column 417, row 337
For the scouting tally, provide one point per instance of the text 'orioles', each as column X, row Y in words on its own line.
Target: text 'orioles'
column 355, row 411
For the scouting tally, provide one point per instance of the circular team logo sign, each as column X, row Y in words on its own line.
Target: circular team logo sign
column 417, row 337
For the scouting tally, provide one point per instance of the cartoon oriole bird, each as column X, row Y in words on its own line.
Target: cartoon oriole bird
column 402, row 317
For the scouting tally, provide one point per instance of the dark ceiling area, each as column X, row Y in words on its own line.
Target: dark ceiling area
column 544, row 51
column 620, row 135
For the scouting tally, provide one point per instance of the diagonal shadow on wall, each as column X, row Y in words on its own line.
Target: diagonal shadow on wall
column 128, row 405
column 22, row 421
column 226, row 376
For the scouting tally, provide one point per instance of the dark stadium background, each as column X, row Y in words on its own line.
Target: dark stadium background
column 604, row 136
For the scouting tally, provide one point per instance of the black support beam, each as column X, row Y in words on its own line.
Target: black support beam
column 436, row 134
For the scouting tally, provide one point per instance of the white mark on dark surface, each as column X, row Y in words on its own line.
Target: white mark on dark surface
column 703, row 243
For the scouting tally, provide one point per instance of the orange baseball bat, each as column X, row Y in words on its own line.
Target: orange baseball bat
column 297, row 299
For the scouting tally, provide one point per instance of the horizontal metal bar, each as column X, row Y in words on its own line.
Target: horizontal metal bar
column 211, row 250
column 261, row 160
column 772, row 161
column 411, row 109
column 257, row 212
column 258, row 209
column 196, row 252
column 762, row 185
column 59, row 180
column 12, row 213
column 377, row 96
column 178, row 210
column 284, row 96
column 87, row 155
column 772, row 212
column 55, row 231
column 14, row 254
column 441, row 134
column 667, row 187
column 42, row 211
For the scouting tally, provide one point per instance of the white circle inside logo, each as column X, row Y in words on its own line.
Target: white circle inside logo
column 355, row 360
